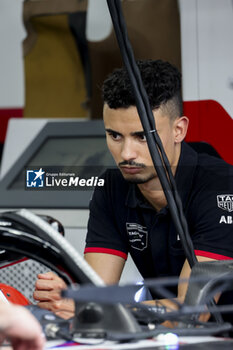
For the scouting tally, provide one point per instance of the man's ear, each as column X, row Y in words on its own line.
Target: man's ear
column 180, row 128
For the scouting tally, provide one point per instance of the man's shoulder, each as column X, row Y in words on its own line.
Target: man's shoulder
column 202, row 159
column 114, row 180
column 213, row 166
column 213, row 176
column 114, row 191
column 204, row 177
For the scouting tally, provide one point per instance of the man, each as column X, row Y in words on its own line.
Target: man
column 130, row 214
column 19, row 327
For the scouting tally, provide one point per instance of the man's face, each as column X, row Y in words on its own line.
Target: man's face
column 128, row 146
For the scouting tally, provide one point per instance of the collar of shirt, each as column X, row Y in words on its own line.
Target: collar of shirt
column 184, row 178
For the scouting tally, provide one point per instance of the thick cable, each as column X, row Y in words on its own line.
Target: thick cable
column 148, row 123
column 156, row 136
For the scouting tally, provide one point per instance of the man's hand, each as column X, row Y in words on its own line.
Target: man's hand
column 49, row 285
column 47, row 293
column 20, row 328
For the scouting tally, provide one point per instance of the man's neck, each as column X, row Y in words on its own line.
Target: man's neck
column 152, row 190
column 153, row 193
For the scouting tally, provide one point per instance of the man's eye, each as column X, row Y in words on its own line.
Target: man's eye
column 114, row 135
column 142, row 137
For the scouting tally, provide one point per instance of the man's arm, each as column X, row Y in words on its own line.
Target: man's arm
column 48, row 286
column 182, row 290
column 109, row 267
column 20, row 327
column 185, row 274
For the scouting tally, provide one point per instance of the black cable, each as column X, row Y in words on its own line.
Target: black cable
column 151, row 118
column 147, row 119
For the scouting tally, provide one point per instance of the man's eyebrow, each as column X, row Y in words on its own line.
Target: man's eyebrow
column 113, row 131
column 138, row 133
column 135, row 133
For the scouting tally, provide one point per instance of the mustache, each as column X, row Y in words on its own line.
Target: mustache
column 131, row 163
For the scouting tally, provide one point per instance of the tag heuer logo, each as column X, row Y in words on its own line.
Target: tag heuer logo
column 225, row 202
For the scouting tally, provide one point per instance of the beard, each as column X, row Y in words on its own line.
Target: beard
column 139, row 180
column 136, row 179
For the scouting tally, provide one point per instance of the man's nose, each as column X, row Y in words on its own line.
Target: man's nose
column 128, row 151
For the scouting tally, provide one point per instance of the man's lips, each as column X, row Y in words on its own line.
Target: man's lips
column 131, row 170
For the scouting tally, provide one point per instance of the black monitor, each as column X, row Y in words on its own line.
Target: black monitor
column 72, row 147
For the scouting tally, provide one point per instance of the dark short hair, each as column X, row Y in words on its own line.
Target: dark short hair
column 161, row 80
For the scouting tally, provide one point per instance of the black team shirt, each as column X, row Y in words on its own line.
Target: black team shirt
column 122, row 222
